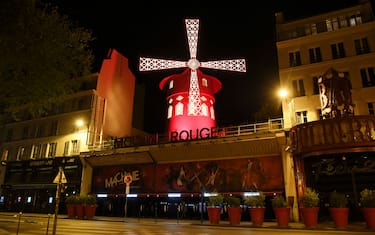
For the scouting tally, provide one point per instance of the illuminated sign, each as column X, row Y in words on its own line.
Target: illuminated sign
column 203, row 133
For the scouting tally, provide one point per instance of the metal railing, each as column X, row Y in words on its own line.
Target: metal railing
column 272, row 125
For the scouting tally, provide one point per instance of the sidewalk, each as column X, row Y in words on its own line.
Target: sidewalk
column 324, row 226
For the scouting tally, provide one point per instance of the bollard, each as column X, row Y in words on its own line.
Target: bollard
column 49, row 217
column 19, row 221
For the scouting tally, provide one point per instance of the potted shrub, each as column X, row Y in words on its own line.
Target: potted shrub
column 80, row 207
column 71, row 202
column 310, row 208
column 338, row 209
column 234, row 209
column 281, row 210
column 367, row 201
column 215, row 200
column 90, row 206
column 256, row 207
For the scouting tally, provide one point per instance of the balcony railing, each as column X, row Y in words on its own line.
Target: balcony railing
column 273, row 125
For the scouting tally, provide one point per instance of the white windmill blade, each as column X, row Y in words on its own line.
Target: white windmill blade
column 150, row 64
column 238, row 65
column 192, row 27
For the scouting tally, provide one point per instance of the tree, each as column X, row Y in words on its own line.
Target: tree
column 43, row 55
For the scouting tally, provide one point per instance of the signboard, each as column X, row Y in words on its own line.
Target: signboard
column 128, row 179
column 60, row 175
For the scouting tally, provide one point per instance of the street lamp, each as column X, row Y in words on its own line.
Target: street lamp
column 287, row 106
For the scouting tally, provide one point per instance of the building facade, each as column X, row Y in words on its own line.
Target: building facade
column 170, row 178
column 331, row 130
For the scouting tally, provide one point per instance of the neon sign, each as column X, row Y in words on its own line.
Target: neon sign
column 204, row 133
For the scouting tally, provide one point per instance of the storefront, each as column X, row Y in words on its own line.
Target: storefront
column 29, row 184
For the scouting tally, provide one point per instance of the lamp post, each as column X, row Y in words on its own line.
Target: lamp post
column 288, row 102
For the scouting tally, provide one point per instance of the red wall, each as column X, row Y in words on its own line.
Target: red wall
column 116, row 83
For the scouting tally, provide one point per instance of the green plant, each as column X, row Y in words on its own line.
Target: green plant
column 310, row 198
column 367, row 198
column 337, row 200
column 279, row 201
column 233, row 201
column 256, row 200
column 215, row 200
column 90, row 200
column 71, row 200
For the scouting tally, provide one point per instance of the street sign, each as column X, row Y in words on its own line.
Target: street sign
column 128, row 179
column 60, row 175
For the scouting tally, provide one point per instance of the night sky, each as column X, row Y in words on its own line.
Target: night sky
column 226, row 32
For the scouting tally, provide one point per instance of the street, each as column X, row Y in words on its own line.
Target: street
column 38, row 226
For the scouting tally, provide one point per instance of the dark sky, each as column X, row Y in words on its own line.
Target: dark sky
column 226, row 32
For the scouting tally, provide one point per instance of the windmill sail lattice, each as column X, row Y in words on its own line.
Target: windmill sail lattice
column 192, row 28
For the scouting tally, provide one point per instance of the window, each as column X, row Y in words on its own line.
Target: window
column 204, row 82
column 53, row 128
column 204, row 110
column 343, row 21
column 35, row 151
column 4, row 155
column 361, row 46
column 371, row 108
column 179, row 109
column 332, row 24
column 355, row 19
column 368, row 77
column 294, row 59
column 66, row 148
column 319, row 114
column 315, row 55
column 338, row 50
column 170, row 110
column 9, row 134
column 301, row 117
column 212, row 111
column 316, row 85
column 75, row 147
column 171, row 84
column 21, row 153
column 52, row 149
column 25, row 132
column 298, row 88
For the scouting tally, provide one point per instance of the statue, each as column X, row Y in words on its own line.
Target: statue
column 335, row 94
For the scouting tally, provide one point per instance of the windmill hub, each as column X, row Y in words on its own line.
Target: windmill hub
column 193, row 64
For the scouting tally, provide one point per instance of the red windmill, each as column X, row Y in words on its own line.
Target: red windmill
column 190, row 95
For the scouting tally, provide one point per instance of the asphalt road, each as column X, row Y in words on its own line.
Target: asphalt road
column 37, row 225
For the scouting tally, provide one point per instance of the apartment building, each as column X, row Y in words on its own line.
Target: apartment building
column 331, row 142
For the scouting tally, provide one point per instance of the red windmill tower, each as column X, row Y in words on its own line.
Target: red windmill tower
column 190, row 94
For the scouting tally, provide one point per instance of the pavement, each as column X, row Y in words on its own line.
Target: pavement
column 323, row 226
